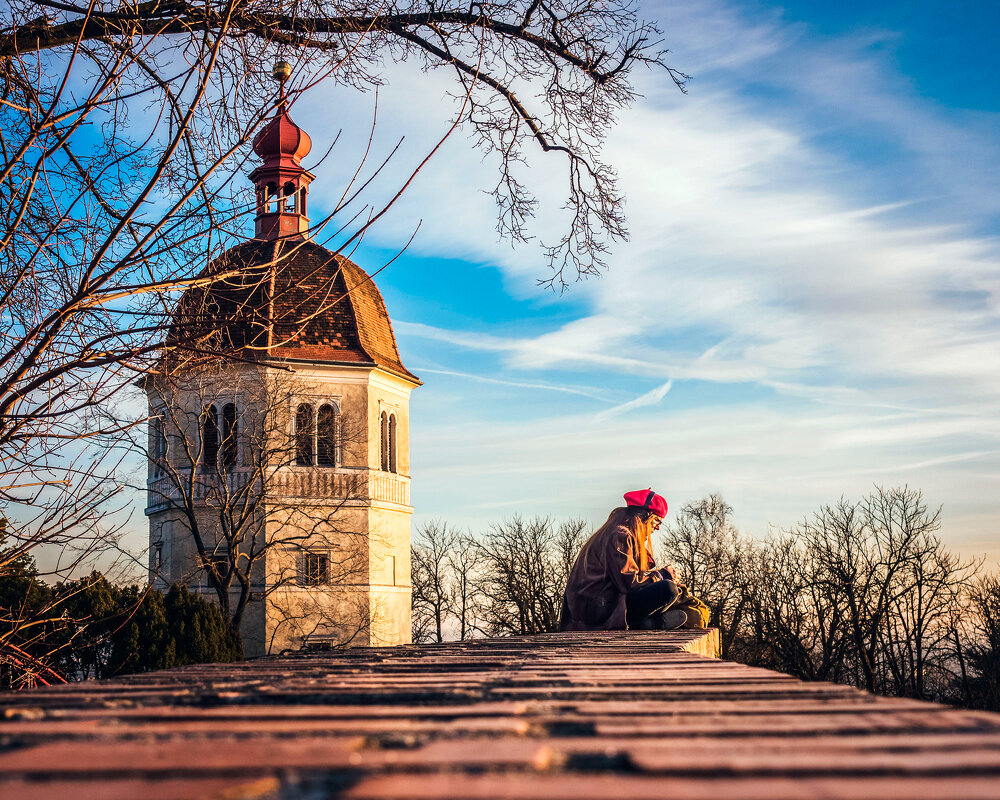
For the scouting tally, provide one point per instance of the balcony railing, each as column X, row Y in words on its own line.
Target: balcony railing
column 318, row 482
column 291, row 482
column 389, row 487
column 165, row 489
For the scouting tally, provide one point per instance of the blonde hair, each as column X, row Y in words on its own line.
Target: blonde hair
column 638, row 521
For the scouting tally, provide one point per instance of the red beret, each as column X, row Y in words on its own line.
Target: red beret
column 647, row 498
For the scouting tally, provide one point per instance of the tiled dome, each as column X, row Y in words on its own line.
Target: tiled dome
column 288, row 300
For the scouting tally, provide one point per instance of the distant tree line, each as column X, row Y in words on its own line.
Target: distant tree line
column 507, row 582
column 861, row 592
column 93, row 628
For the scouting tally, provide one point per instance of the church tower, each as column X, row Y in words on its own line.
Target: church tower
column 279, row 470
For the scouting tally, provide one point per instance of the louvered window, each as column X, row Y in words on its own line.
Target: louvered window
column 326, row 436
column 392, row 443
column 210, row 437
column 384, row 442
column 230, row 432
column 305, row 426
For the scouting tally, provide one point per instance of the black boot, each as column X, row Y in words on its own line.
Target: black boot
column 650, row 623
column 668, row 620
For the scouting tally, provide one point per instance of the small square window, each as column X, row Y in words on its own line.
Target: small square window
column 220, row 561
column 317, row 569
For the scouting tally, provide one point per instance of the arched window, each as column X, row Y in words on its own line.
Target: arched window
column 157, row 445
column 302, row 200
column 271, row 199
column 230, row 432
column 384, row 443
column 290, row 196
column 210, row 437
column 305, row 427
column 392, row 443
column 326, row 436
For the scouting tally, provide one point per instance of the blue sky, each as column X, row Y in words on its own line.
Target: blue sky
column 808, row 305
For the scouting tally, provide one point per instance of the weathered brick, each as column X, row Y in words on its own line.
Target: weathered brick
column 558, row 716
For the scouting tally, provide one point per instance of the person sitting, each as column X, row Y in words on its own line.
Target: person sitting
column 615, row 584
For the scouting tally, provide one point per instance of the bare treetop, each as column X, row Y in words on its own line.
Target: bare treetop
column 542, row 73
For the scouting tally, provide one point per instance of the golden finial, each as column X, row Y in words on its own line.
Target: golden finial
column 281, row 71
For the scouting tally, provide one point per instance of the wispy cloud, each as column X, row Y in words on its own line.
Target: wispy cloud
column 650, row 398
column 824, row 313
column 548, row 387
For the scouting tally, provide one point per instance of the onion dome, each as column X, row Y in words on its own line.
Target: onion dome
column 282, row 183
column 281, row 142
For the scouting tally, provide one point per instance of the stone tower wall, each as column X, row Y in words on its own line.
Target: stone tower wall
column 354, row 514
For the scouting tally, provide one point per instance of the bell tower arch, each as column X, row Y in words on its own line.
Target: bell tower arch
column 281, row 182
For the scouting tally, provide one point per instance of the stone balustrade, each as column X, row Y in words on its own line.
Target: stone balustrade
column 296, row 482
column 166, row 489
column 388, row 487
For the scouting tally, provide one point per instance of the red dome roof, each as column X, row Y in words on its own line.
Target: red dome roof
column 281, row 139
column 288, row 300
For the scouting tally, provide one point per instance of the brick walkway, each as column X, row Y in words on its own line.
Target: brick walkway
column 644, row 715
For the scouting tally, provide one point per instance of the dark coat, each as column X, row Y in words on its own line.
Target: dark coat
column 607, row 567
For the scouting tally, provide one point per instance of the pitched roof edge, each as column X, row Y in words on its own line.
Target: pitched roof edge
column 362, row 324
